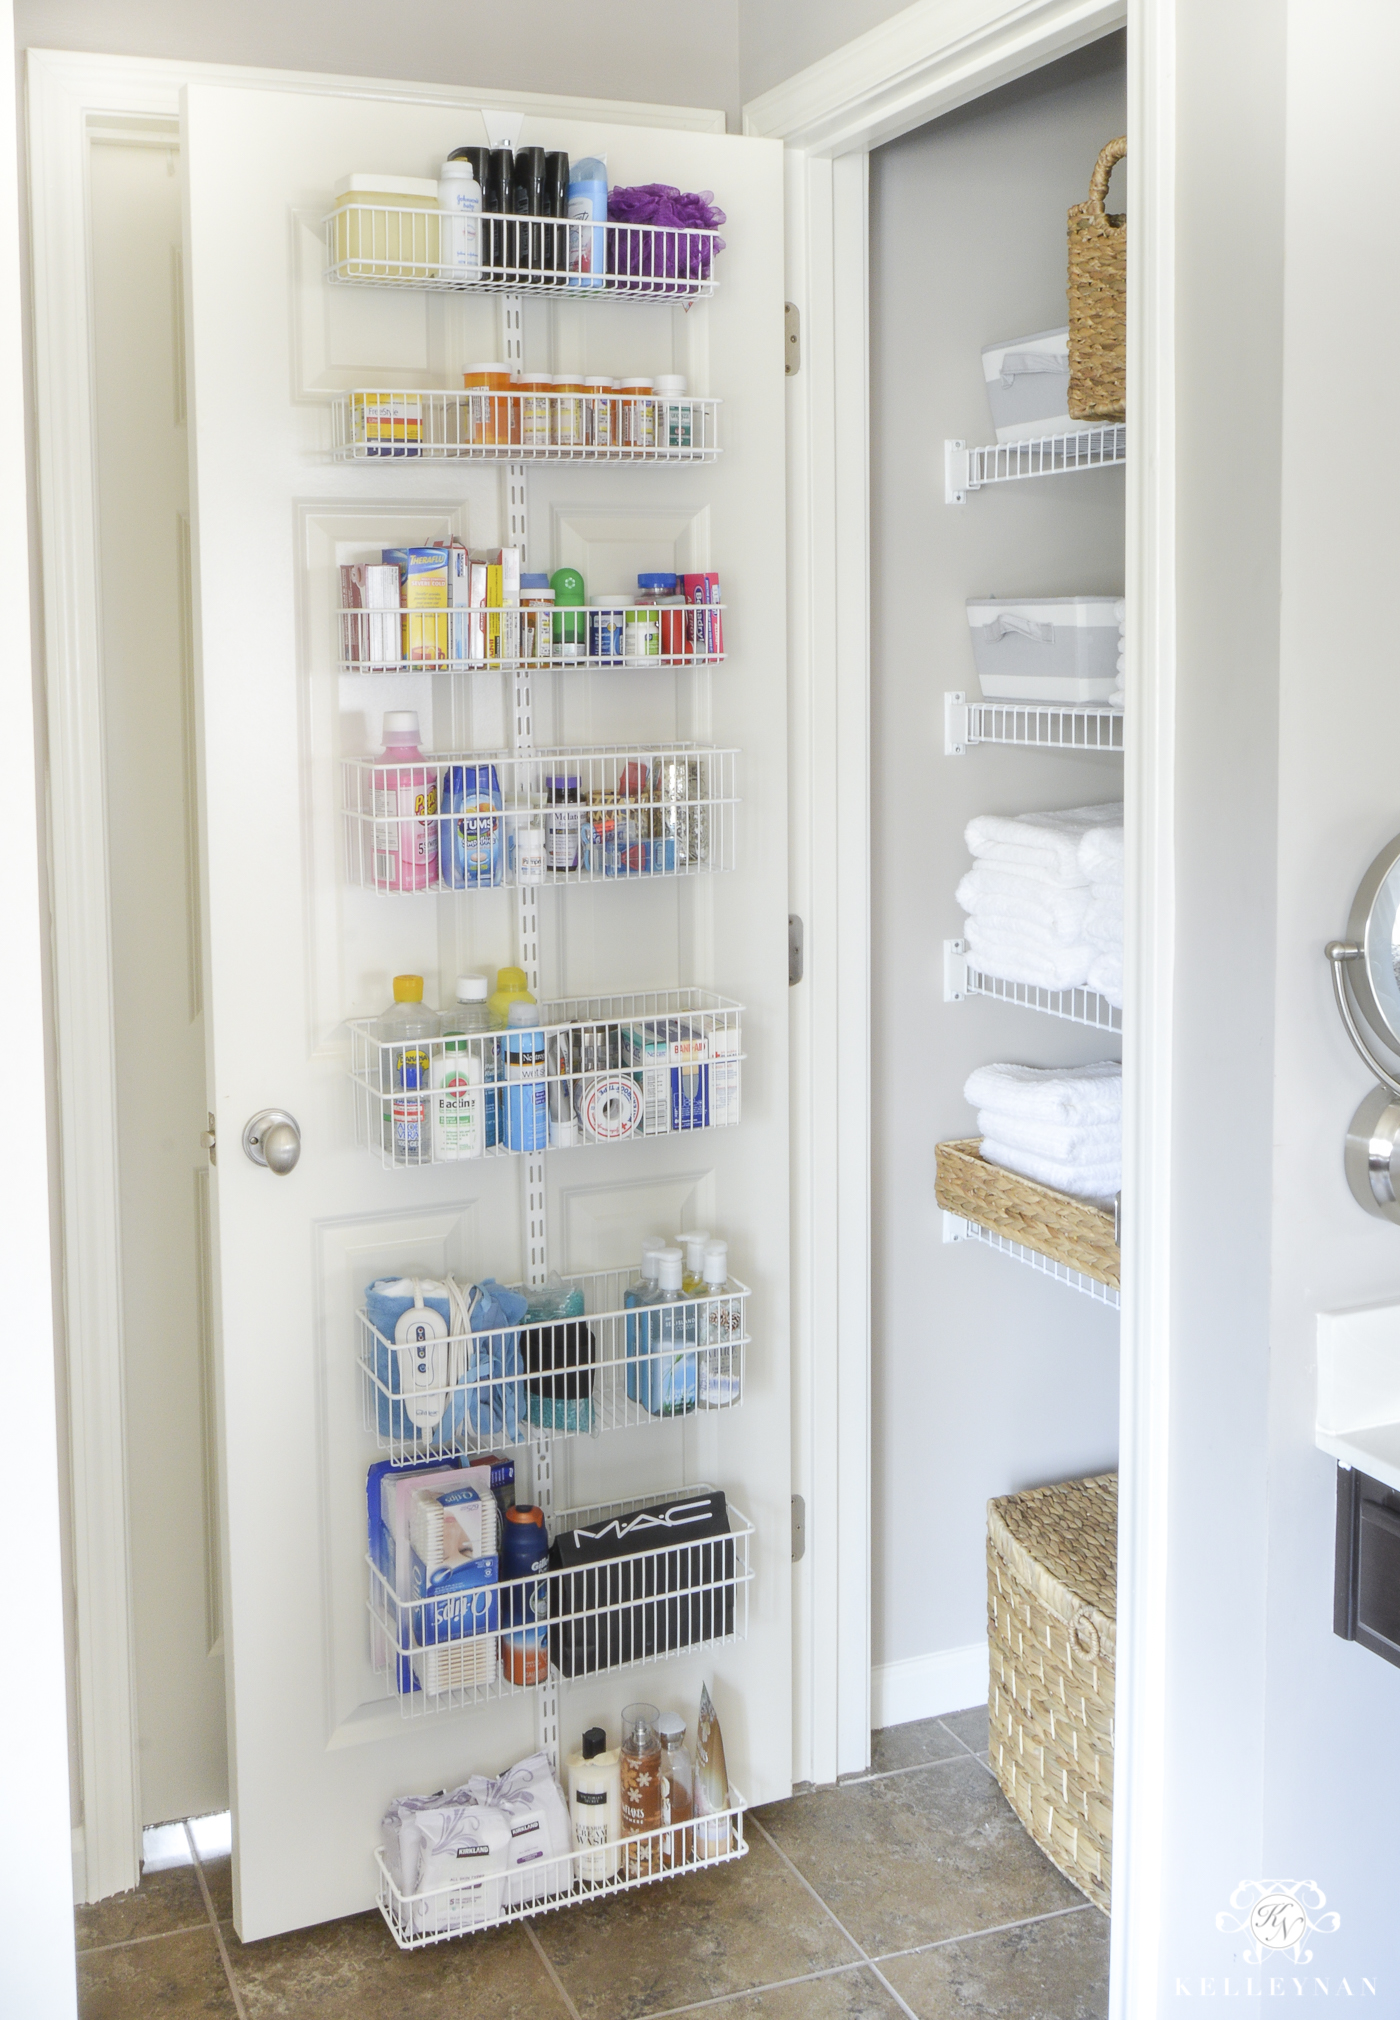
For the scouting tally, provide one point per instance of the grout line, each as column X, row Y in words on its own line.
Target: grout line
column 958, row 1737
column 130, row 1942
column 975, row 1935
column 237, row 1997
column 754, row 1991
column 916, row 1767
column 826, row 1909
column 554, row 1977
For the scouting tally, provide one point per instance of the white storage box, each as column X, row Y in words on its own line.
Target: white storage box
column 1028, row 386
column 1049, row 649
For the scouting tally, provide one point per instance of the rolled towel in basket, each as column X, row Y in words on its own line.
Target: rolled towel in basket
column 1068, row 1142
column 1003, row 897
column 1084, row 1181
column 1017, row 953
column 1047, row 843
column 1082, row 1095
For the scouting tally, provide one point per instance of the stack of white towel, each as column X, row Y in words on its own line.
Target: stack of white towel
column 1062, row 1125
column 1030, row 899
column 1101, row 859
column 1115, row 700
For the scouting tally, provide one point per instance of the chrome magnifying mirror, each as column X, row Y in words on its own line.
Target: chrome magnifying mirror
column 1366, row 983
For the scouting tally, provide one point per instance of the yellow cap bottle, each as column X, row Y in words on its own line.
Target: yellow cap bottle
column 510, row 988
column 408, row 988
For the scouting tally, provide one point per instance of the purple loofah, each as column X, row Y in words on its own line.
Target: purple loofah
column 683, row 250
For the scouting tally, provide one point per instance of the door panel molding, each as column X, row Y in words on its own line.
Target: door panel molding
column 73, row 97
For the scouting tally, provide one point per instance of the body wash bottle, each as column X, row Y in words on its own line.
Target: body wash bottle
column 595, row 1804
column 641, row 1787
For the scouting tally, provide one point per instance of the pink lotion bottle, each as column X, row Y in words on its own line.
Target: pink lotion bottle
column 405, row 809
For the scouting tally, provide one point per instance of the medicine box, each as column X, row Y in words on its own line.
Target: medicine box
column 1046, row 649
column 1028, row 386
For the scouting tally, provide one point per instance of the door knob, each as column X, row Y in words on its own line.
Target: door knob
column 272, row 1138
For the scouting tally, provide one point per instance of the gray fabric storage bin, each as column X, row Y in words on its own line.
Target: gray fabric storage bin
column 1058, row 649
column 1028, row 386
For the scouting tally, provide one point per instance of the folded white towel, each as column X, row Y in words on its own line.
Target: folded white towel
column 1103, row 921
column 1084, row 1095
column 1105, row 974
column 996, row 897
column 1023, row 956
column 1070, row 1142
column 1101, row 853
column 1048, row 843
column 1097, row 1181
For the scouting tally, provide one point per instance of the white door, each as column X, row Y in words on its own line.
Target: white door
column 316, row 1747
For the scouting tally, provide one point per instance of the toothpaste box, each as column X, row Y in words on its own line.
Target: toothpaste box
column 422, row 590
column 371, row 639
column 671, row 1059
column 704, row 628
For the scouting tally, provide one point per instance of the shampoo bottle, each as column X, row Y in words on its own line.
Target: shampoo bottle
column 595, row 1804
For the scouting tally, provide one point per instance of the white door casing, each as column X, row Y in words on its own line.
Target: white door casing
column 291, row 953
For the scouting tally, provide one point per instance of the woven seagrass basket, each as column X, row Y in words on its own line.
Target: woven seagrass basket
column 1098, row 299
column 1071, row 1231
column 1052, row 1560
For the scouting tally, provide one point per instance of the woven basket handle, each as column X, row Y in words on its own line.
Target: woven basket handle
column 1084, row 1630
column 1109, row 158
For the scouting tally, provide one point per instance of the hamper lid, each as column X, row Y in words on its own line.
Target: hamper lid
column 1086, row 612
column 1063, row 1542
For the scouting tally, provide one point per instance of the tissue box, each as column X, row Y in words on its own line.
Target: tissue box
column 1046, row 649
column 1028, row 386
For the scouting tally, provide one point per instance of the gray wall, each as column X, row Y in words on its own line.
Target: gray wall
column 987, row 1378
column 651, row 50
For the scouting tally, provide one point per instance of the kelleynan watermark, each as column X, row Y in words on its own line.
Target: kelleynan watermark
column 1280, row 1915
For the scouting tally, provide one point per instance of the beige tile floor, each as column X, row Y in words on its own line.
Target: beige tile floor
column 910, row 1890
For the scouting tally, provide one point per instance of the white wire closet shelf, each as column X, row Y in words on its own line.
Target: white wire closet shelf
column 962, row 977
column 372, row 424
column 595, row 1070
column 1034, row 725
column 567, row 1881
column 383, row 246
column 477, row 820
column 460, row 1648
column 598, row 1363
column 1091, row 448
column 956, row 1228
column 606, row 638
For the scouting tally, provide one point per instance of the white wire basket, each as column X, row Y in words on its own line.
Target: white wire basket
column 567, row 1881
column 600, row 1069
column 372, row 424
column 377, row 245
column 607, row 638
column 476, row 820
column 449, row 1652
column 605, row 1366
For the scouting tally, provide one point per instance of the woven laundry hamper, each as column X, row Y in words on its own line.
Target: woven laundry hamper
column 1072, row 1231
column 1052, row 1558
column 1098, row 299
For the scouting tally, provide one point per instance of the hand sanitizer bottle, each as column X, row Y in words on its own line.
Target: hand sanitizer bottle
column 666, row 1341
column 720, row 1380
column 693, row 1246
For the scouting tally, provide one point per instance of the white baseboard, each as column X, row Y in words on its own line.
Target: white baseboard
column 926, row 1686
